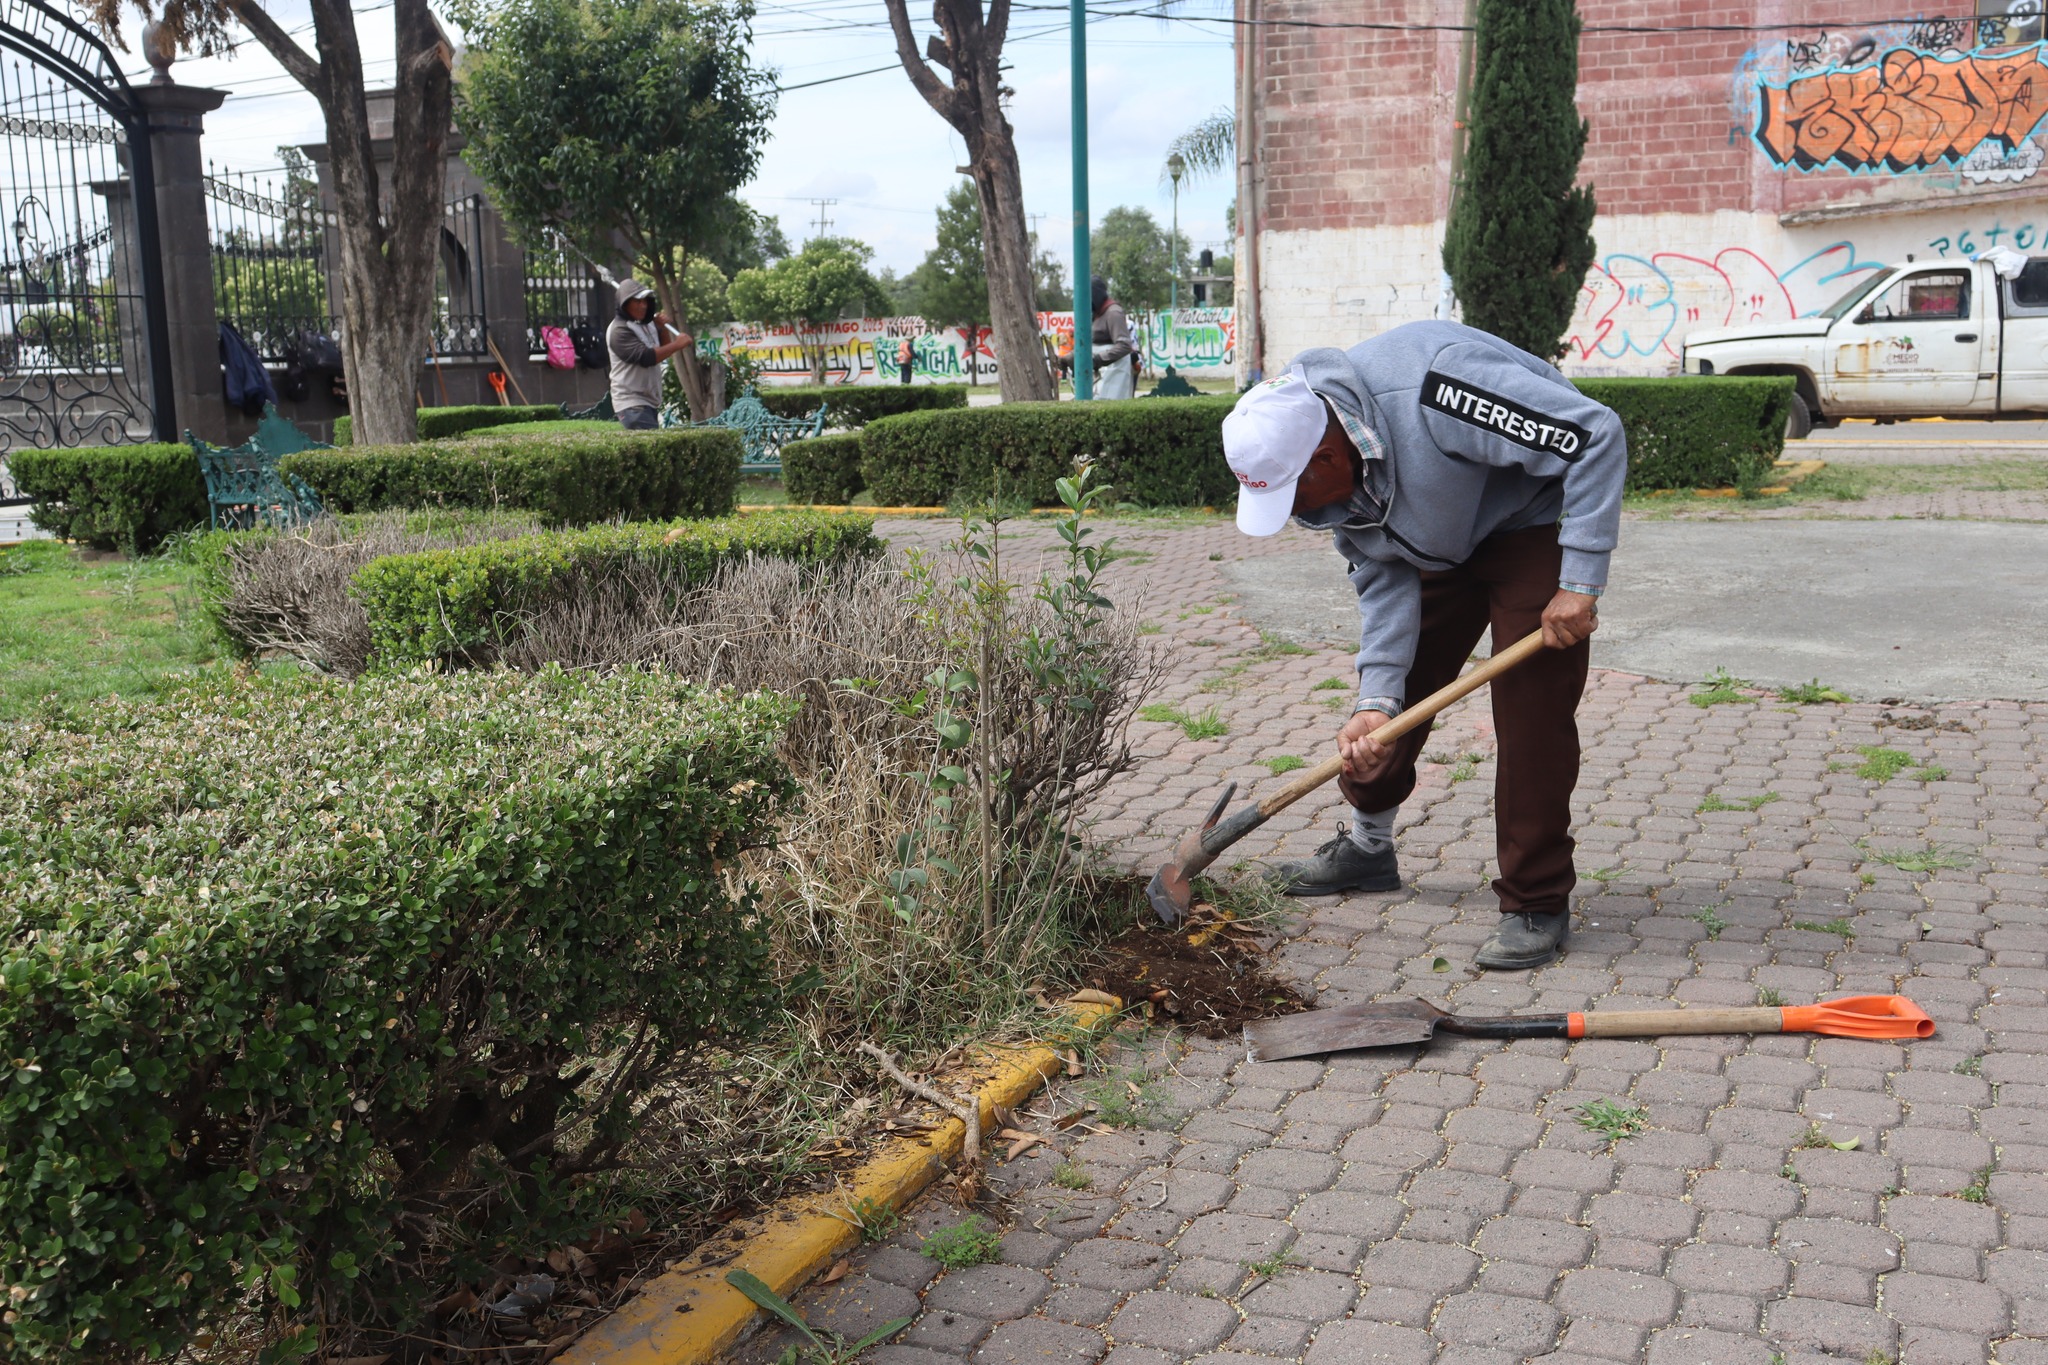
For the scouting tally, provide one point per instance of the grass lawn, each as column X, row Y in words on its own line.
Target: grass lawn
column 78, row 627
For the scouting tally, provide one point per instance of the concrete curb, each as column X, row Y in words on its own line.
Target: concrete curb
column 690, row 1314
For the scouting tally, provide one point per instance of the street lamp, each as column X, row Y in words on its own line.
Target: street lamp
column 1176, row 167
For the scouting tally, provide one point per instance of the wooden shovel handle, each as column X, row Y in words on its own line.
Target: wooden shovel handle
column 1407, row 720
column 1664, row 1023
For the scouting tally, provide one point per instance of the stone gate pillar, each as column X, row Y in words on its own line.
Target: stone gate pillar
column 176, row 115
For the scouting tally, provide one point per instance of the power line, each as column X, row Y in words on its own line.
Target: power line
column 1389, row 27
column 824, row 223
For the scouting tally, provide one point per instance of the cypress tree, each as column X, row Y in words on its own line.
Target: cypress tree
column 1520, row 236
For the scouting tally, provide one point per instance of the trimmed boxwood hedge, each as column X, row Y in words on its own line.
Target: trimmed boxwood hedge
column 113, row 497
column 306, row 1010
column 456, row 605
column 855, row 405
column 1159, row 452
column 1697, row 431
column 824, row 469
column 569, row 477
column 438, row 424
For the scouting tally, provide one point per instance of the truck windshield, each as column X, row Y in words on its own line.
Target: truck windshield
column 1855, row 294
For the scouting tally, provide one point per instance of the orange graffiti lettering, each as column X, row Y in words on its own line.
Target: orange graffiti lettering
column 1905, row 112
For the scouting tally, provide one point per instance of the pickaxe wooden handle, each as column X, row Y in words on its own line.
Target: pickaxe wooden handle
column 1171, row 891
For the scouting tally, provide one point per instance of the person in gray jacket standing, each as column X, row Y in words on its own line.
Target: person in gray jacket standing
column 1114, row 376
column 637, row 351
column 1468, row 485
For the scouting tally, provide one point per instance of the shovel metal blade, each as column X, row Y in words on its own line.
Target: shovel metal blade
column 1341, row 1029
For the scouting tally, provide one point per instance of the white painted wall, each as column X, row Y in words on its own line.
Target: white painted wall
column 1657, row 276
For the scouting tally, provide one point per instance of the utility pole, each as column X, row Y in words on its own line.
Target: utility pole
column 1084, row 313
column 824, row 223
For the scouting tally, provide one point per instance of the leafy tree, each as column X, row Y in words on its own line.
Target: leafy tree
column 969, row 48
column 746, row 240
column 1520, row 235
column 1131, row 251
column 621, row 123
column 1049, row 280
column 826, row 280
column 1208, row 148
column 951, row 284
column 389, row 233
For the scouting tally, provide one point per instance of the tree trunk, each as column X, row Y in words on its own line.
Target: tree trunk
column 388, row 250
column 691, row 372
column 970, row 49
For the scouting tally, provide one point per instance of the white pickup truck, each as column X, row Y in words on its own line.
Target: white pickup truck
column 1933, row 339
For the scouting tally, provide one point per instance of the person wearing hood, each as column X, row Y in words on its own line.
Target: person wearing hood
column 637, row 351
column 1468, row 486
column 1114, row 377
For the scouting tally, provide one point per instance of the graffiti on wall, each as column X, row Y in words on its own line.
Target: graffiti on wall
column 1198, row 342
column 1643, row 305
column 1960, row 94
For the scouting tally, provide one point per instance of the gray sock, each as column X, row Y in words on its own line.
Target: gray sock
column 1373, row 831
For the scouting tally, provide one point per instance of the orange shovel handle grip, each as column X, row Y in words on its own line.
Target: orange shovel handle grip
column 1860, row 1016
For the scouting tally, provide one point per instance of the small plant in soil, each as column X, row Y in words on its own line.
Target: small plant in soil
column 1606, row 874
column 1719, row 688
column 1969, row 1066
column 1611, row 1120
column 1071, row 1176
column 826, row 1347
column 1715, row 801
column 1330, row 685
column 1207, row 725
column 1284, row 763
column 1272, row 1265
column 1711, row 921
column 1979, row 1188
column 1812, row 693
column 1769, row 995
column 1274, row 647
column 968, row 1242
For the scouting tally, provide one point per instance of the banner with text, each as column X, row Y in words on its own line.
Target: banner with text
column 1199, row 343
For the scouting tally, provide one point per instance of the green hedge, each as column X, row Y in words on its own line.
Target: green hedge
column 825, row 469
column 856, row 405
column 283, row 1007
column 570, row 477
column 113, row 497
column 438, row 424
column 457, row 605
column 1698, row 432
column 1163, row 452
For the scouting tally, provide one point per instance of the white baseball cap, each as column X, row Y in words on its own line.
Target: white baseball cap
column 1268, row 439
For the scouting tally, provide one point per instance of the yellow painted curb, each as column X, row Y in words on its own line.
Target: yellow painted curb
column 690, row 1314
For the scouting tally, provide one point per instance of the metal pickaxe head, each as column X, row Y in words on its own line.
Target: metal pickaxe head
column 1172, row 889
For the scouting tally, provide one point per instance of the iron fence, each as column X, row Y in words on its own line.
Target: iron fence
column 461, row 327
column 74, row 350
column 269, row 241
column 560, row 290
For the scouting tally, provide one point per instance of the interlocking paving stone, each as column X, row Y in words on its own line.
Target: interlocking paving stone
column 989, row 1291
column 1443, row 1206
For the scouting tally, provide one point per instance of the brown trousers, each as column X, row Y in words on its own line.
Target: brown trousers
column 1506, row 584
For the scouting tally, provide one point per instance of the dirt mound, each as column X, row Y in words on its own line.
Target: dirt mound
column 1208, row 976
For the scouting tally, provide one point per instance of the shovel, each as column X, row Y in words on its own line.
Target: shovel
column 1417, row 1021
column 1171, row 889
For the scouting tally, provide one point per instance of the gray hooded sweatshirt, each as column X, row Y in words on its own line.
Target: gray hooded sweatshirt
column 1463, row 435
column 636, row 370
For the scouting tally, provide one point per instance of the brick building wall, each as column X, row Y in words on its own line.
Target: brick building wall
column 1725, row 195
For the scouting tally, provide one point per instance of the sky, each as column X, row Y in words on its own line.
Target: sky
column 870, row 142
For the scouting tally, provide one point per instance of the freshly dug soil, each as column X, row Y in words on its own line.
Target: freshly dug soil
column 1208, row 976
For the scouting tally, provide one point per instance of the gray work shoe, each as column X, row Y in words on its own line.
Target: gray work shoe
column 1339, row 865
column 1524, row 940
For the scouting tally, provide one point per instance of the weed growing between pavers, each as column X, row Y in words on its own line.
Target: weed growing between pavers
column 1769, row 995
column 1711, row 921
column 1838, row 926
column 1331, row 685
column 968, row 1242
column 1979, row 1188
column 1814, row 693
column 1719, row 688
column 1207, row 725
column 1606, row 874
column 1127, row 1098
column 1611, row 1120
column 1070, row 1176
column 1970, row 1066
column 1929, row 859
column 1716, row 802
column 1272, row 1265
column 826, row 1347
column 1272, row 646
column 875, row 1219
column 1284, row 763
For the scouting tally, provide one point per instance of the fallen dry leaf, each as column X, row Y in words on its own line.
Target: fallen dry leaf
column 837, row 1272
column 1093, row 997
column 1073, row 1061
column 1022, row 1145
column 1066, row 1121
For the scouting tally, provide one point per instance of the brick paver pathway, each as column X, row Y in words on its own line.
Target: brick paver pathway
column 1443, row 1206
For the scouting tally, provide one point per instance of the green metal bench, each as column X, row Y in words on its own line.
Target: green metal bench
column 762, row 433
column 244, row 486
column 600, row 411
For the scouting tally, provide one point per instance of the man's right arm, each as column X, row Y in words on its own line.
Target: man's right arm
column 1389, row 624
column 626, row 344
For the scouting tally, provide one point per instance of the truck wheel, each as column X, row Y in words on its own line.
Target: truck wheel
column 1799, row 421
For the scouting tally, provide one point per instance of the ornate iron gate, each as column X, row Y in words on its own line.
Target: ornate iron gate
column 84, row 350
